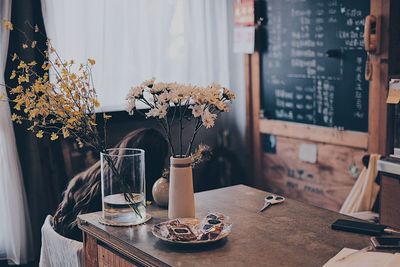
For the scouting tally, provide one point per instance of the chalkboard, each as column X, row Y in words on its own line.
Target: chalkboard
column 314, row 61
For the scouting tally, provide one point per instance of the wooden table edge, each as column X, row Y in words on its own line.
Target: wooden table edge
column 137, row 255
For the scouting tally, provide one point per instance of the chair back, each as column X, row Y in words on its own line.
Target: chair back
column 58, row 251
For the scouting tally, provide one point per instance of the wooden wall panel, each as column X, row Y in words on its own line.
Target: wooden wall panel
column 324, row 184
column 327, row 183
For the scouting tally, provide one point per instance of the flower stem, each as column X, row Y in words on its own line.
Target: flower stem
column 195, row 131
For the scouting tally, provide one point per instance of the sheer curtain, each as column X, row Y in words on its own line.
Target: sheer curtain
column 15, row 232
column 134, row 40
column 209, row 57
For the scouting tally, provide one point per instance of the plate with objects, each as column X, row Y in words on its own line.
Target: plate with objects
column 213, row 227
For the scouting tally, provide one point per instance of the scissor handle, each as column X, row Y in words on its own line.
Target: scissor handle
column 274, row 199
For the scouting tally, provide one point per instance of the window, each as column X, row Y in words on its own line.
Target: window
column 132, row 41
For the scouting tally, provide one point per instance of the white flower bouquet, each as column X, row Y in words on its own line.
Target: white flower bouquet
column 188, row 104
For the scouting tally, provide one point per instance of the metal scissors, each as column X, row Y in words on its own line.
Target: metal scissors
column 271, row 200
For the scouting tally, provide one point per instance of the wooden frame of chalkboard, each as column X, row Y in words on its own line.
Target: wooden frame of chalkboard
column 344, row 142
column 314, row 133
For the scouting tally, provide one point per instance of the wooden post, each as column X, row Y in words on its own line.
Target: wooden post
column 249, row 120
column 252, row 75
column 256, row 103
column 378, row 109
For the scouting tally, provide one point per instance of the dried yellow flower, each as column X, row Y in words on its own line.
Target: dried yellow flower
column 13, row 74
column 39, row 134
column 65, row 133
column 46, row 66
column 91, row 61
column 96, row 103
column 16, row 90
column 8, row 25
column 15, row 118
column 70, row 121
column 21, row 65
column 53, row 136
column 22, row 79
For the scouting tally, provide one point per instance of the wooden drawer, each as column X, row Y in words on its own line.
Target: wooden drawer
column 107, row 258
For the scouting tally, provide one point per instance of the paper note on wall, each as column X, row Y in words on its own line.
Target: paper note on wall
column 394, row 92
column 308, row 153
column 244, row 38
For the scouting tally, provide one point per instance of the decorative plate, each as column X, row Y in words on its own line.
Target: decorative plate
column 213, row 227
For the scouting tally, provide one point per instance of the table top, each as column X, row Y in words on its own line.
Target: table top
column 286, row 234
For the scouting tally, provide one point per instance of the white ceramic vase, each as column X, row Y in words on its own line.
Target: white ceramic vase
column 181, row 195
column 160, row 192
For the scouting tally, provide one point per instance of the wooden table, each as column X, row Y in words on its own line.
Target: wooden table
column 287, row 234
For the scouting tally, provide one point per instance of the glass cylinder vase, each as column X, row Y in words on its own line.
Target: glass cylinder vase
column 123, row 186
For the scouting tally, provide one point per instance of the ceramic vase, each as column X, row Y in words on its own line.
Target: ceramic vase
column 160, row 192
column 181, row 195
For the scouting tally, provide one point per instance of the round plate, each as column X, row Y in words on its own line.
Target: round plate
column 114, row 223
column 192, row 222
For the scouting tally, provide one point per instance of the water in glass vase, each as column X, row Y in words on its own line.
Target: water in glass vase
column 118, row 210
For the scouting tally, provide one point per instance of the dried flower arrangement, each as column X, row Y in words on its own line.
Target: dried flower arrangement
column 63, row 106
column 161, row 98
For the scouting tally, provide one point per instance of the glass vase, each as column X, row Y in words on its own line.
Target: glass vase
column 123, row 186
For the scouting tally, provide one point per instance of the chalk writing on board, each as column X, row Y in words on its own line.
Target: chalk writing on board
column 313, row 69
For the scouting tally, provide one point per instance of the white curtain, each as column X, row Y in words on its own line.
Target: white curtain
column 134, row 40
column 15, row 232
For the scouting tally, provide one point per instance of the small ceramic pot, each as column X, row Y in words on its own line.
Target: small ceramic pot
column 160, row 192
